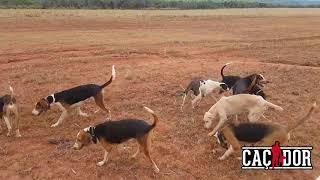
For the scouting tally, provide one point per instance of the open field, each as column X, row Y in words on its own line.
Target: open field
column 42, row 51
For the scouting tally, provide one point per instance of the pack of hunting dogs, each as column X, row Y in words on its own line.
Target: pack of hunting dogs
column 248, row 98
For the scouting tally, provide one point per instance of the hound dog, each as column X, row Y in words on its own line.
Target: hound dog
column 73, row 98
column 234, row 105
column 111, row 133
column 200, row 89
column 9, row 112
column 259, row 134
column 251, row 84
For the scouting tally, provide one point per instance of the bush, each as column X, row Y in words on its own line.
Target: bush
column 139, row 4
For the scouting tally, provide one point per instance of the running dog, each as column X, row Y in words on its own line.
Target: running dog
column 200, row 89
column 73, row 98
column 111, row 133
column 9, row 112
column 234, row 105
column 259, row 134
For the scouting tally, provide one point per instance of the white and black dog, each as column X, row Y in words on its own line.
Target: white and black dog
column 72, row 98
column 200, row 89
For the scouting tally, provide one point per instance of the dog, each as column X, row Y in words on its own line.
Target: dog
column 200, row 89
column 9, row 112
column 111, row 133
column 251, row 84
column 258, row 134
column 234, row 105
column 73, row 98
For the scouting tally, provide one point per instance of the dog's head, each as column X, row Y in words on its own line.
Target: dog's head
column 9, row 100
column 260, row 78
column 208, row 119
column 221, row 139
column 84, row 137
column 41, row 106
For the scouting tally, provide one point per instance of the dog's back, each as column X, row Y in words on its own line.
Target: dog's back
column 122, row 130
column 251, row 132
column 77, row 94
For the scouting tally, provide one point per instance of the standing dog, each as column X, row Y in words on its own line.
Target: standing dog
column 259, row 134
column 234, row 105
column 200, row 89
column 111, row 133
column 9, row 112
column 249, row 85
column 73, row 98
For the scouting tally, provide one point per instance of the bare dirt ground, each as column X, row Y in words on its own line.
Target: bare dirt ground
column 43, row 51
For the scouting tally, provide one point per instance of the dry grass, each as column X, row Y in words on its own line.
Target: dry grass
column 42, row 51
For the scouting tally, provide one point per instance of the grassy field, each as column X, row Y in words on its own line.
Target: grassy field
column 154, row 51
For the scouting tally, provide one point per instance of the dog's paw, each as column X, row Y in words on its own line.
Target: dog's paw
column 54, row 125
column 101, row 163
column 156, row 169
column 210, row 134
column 221, row 158
column 84, row 115
column 214, row 151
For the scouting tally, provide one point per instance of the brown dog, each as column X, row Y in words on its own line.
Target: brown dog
column 9, row 112
column 111, row 133
column 259, row 134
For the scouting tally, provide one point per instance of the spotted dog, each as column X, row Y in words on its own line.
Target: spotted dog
column 200, row 89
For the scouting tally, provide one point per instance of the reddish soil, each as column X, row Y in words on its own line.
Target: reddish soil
column 43, row 51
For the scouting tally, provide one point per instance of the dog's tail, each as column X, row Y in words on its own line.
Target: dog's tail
column 273, row 106
column 11, row 91
column 221, row 72
column 112, row 78
column 303, row 119
column 155, row 117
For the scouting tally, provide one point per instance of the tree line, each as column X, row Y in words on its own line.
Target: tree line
column 139, row 4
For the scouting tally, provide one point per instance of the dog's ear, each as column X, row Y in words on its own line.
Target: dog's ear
column 224, row 86
column 49, row 99
column 44, row 104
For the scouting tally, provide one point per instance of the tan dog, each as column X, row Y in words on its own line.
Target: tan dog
column 259, row 134
column 9, row 112
column 234, row 105
column 111, row 133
